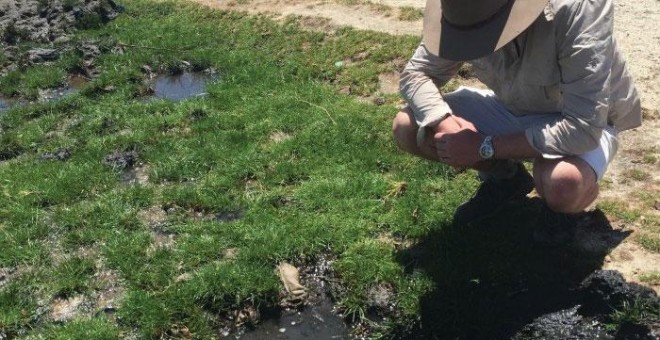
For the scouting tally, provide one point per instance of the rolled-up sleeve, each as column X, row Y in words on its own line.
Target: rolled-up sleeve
column 419, row 84
column 585, row 55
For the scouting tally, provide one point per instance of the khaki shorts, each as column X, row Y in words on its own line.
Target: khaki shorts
column 491, row 117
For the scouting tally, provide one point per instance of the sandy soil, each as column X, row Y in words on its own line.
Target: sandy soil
column 638, row 37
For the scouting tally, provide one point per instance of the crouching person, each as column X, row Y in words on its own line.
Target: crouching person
column 559, row 93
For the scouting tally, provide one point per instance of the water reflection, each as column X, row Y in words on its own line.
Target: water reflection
column 182, row 86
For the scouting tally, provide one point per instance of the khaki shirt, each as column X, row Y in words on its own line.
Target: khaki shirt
column 566, row 62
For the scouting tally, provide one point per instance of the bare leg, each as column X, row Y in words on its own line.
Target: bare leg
column 567, row 185
column 405, row 129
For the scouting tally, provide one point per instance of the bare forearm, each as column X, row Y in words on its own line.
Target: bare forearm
column 513, row 146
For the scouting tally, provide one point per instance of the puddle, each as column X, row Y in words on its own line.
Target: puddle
column 182, row 86
column 313, row 322
column 7, row 103
column 317, row 320
column 74, row 84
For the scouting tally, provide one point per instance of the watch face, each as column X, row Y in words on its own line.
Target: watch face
column 486, row 150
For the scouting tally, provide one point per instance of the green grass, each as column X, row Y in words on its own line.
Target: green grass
column 652, row 278
column 635, row 312
column 637, row 175
column 619, row 209
column 201, row 155
column 408, row 13
column 331, row 188
column 649, row 242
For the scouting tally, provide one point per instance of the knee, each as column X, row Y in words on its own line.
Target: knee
column 566, row 193
column 404, row 131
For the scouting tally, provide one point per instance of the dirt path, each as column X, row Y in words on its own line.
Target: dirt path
column 636, row 169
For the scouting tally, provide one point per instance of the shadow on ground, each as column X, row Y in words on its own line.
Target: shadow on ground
column 492, row 281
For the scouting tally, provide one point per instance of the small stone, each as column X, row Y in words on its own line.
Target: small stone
column 657, row 205
column 282, row 330
column 379, row 101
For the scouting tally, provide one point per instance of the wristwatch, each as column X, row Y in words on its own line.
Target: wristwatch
column 486, row 150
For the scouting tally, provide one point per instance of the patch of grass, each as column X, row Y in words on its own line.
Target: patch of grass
column 635, row 312
column 364, row 266
column 648, row 198
column 637, row 175
column 18, row 299
column 407, row 13
column 72, row 276
column 619, row 209
column 652, row 278
column 649, row 242
column 649, row 159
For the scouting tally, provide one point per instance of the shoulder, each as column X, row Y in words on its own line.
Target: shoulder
column 572, row 10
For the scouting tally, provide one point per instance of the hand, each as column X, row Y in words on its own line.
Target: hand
column 459, row 147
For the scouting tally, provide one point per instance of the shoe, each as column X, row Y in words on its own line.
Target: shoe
column 492, row 195
column 555, row 229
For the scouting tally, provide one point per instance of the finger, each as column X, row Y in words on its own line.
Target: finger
column 465, row 124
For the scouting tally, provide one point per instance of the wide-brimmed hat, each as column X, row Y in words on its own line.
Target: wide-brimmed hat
column 469, row 29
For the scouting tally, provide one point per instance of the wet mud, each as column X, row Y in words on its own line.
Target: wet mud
column 73, row 85
column 317, row 321
column 122, row 160
column 314, row 317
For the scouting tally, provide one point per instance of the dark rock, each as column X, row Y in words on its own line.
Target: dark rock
column 564, row 324
column 605, row 290
column 600, row 294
